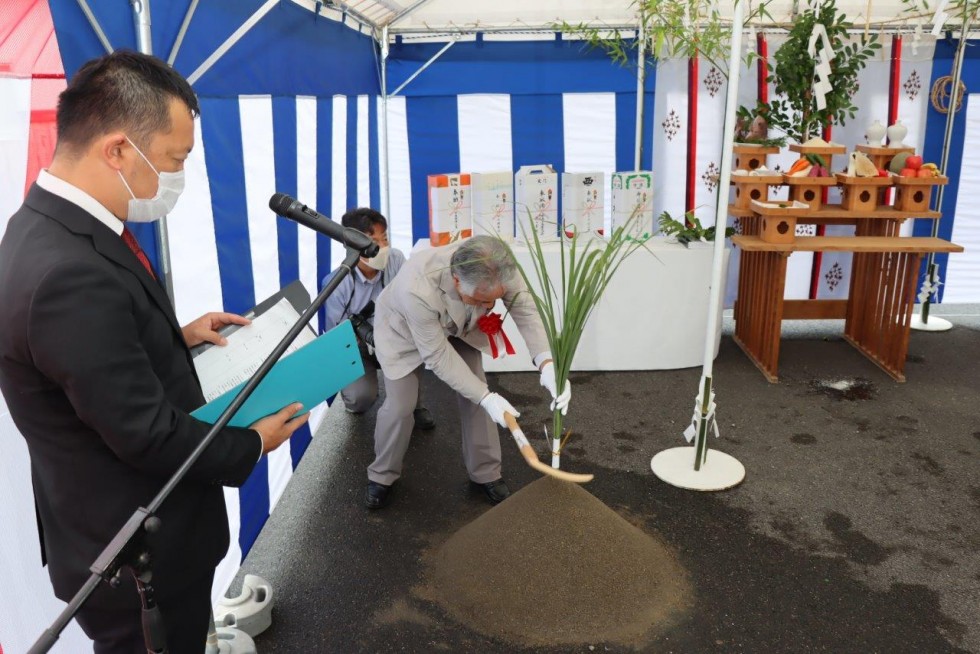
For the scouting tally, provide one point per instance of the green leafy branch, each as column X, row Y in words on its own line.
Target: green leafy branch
column 956, row 10
column 672, row 29
column 689, row 231
column 792, row 72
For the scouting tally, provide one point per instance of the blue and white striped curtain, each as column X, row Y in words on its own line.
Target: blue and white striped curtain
column 230, row 251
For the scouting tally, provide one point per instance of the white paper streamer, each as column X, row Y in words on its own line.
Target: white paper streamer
column 822, row 85
column 519, row 438
column 916, row 39
column 692, row 429
column 928, row 288
column 939, row 18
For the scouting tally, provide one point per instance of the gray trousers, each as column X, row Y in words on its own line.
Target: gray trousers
column 393, row 430
column 360, row 394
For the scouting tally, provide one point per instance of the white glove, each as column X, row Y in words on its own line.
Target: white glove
column 496, row 406
column 559, row 402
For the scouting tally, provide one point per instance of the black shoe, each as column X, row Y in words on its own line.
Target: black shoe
column 377, row 495
column 423, row 419
column 496, row 491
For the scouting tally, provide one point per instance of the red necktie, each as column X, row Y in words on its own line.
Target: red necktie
column 133, row 244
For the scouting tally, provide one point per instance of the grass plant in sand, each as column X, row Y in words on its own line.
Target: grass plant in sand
column 566, row 298
column 552, row 544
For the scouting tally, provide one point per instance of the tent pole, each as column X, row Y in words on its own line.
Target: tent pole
column 183, row 31
column 232, row 40
column 141, row 22
column 690, row 467
column 641, row 68
column 431, row 61
column 95, row 25
column 386, row 176
column 931, row 281
column 721, row 205
column 144, row 43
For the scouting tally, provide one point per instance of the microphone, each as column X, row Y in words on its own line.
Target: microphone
column 290, row 208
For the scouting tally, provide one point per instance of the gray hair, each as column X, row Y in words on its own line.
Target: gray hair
column 481, row 263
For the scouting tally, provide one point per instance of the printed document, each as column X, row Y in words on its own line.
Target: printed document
column 221, row 369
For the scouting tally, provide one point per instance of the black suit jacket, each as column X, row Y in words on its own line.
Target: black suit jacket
column 99, row 381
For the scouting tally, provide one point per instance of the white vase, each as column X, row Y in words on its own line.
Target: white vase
column 874, row 134
column 896, row 133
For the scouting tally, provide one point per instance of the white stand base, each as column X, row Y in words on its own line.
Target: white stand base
column 935, row 324
column 676, row 467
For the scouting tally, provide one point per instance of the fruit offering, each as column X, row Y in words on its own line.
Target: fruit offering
column 898, row 162
column 915, row 168
column 912, row 165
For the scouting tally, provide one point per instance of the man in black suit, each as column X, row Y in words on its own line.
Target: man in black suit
column 94, row 367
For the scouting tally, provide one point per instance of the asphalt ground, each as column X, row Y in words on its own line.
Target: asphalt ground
column 856, row 529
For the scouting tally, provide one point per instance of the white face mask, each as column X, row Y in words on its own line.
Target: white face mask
column 380, row 260
column 169, row 188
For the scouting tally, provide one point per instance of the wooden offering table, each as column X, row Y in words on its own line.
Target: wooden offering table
column 877, row 312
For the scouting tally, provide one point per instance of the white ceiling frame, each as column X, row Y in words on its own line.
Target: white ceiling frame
column 249, row 23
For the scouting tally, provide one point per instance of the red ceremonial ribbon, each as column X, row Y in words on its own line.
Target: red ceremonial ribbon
column 492, row 325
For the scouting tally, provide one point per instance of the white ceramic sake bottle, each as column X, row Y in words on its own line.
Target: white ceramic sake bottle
column 896, row 133
column 874, row 134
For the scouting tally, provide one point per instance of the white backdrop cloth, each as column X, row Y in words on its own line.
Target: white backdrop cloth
column 662, row 328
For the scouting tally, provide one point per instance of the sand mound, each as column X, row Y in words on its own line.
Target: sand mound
column 553, row 565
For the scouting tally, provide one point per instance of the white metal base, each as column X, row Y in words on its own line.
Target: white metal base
column 676, row 467
column 935, row 324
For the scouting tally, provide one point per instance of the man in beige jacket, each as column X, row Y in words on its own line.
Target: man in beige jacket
column 431, row 315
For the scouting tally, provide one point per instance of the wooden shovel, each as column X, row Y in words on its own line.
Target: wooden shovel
column 532, row 457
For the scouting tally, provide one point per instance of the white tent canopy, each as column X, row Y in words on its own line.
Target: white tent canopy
column 441, row 16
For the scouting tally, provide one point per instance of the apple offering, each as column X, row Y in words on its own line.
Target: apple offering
column 914, row 167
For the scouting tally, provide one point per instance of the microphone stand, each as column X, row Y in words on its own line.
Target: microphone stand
column 128, row 548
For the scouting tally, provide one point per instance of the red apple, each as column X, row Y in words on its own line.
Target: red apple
column 913, row 161
column 882, row 173
column 909, row 172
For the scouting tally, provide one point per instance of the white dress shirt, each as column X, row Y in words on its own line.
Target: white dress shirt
column 77, row 196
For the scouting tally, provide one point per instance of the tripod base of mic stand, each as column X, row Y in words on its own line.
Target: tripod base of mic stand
column 935, row 324
column 676, row 467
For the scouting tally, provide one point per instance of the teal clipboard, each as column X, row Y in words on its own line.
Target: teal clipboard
column 309, row 375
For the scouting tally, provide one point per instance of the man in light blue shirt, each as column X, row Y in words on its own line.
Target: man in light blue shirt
column 354, row 300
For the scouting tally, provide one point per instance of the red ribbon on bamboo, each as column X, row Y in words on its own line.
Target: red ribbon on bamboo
column 492, row 325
